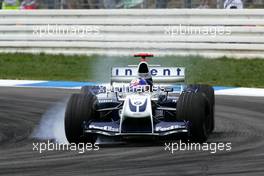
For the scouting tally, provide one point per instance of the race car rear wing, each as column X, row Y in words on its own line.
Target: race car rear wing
column 160, row 75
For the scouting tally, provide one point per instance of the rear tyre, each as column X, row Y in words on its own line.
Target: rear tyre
column 80, row 108
column 191, row 107
column 208, row 92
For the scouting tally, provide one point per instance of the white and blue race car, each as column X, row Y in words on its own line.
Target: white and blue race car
column 155, row 109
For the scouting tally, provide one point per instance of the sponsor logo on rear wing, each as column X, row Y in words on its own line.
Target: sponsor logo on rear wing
column 154, row 71
column 159, row 74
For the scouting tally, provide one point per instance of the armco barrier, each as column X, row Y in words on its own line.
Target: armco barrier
column 211, row 33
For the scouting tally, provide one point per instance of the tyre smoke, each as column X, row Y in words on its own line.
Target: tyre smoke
column 51, row 125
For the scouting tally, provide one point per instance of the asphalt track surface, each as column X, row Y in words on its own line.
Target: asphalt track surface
column 239, row 120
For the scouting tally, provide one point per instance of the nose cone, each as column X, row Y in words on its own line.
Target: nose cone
column 137, row 106
column 136, row 115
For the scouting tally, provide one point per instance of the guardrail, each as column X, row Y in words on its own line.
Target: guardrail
column 211, row 33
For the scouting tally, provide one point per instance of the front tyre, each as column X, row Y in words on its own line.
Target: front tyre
column 191, row 107
column 208, row 93
column 80, row 108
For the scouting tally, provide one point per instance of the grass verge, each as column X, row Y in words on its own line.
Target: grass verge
column 222, row 71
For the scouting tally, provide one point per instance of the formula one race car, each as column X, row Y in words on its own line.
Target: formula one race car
column 148, row 106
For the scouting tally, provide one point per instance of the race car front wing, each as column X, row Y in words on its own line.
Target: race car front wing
column 113, row 129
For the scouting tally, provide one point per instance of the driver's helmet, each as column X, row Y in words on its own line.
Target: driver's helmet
column 138, row 84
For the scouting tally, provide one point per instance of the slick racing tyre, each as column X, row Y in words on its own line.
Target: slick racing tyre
column 93, row 89
column 191, row 107
column 80, row 108
column 208, row 92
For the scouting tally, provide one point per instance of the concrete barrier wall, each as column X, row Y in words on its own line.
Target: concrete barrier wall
column 212, row 33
